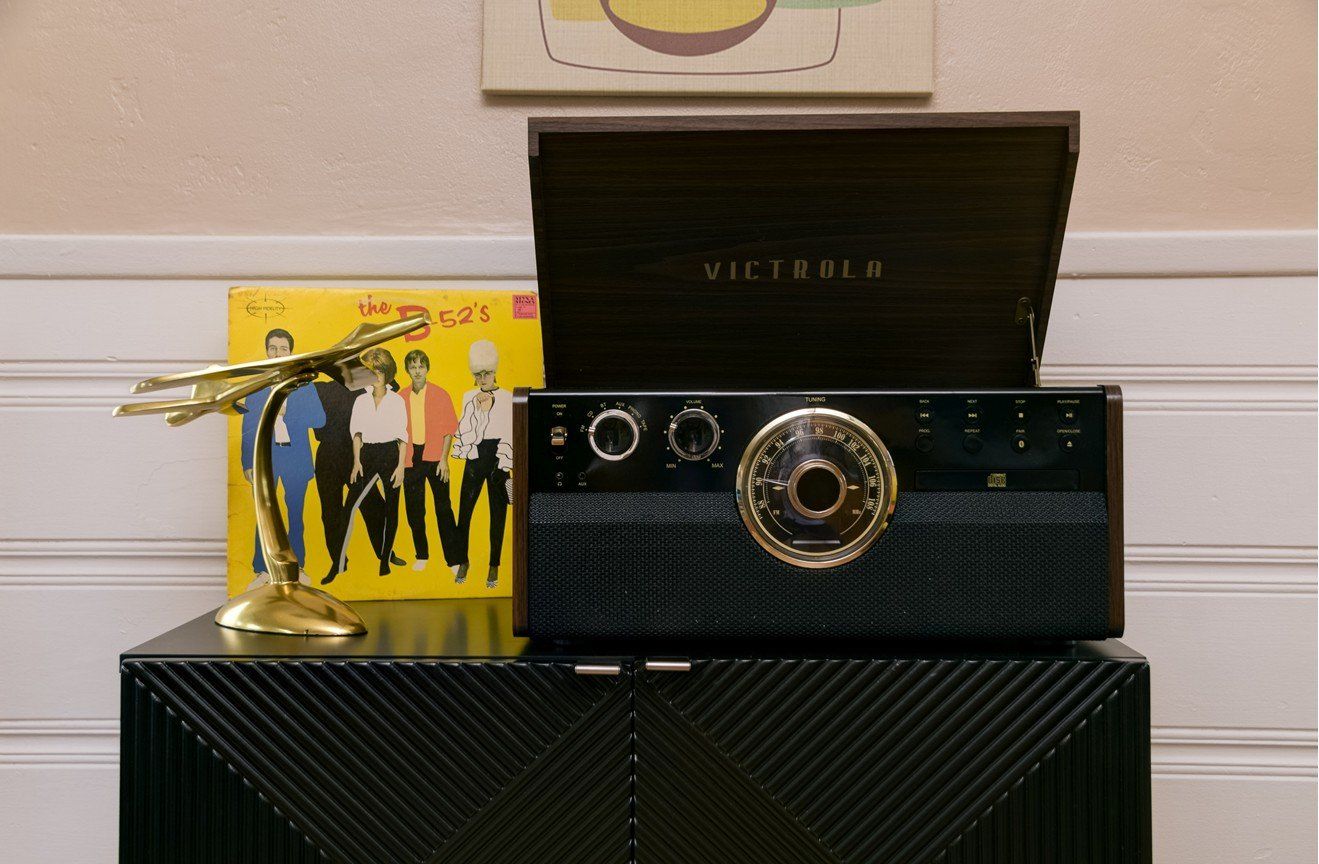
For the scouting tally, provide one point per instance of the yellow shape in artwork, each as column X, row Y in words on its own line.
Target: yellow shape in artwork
column 577, row 10
column 687, row 16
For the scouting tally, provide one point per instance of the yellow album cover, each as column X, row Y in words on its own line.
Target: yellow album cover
column 401, row 489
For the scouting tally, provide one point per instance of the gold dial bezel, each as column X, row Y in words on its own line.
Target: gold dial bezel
column 883, row 513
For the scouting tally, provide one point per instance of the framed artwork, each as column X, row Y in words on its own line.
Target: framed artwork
column 712, row 47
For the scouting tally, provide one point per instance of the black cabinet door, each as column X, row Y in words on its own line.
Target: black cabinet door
column 874, row 761
column 374, row 762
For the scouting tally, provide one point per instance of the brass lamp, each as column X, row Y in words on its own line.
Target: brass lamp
column 283, row 605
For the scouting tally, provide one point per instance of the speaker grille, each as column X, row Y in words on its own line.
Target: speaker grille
column 952, row 565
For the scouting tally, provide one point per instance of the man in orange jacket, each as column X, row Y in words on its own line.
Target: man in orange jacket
column 431, row 427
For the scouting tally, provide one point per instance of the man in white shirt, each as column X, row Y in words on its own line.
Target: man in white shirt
column 379, row 426
column 485, row 443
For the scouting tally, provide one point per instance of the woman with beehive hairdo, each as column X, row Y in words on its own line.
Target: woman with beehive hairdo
column 485, row 444
column 379, row 426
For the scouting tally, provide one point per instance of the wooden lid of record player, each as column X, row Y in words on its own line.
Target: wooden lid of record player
column 797, row 252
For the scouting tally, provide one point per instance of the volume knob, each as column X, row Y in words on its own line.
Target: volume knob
column 693, row 434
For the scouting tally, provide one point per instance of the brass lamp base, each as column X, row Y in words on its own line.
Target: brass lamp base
column 291, row 609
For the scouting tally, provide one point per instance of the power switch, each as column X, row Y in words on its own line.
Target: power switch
column 558, row 436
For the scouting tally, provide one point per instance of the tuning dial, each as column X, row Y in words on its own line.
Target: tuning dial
column 694, row 434
column 613, row 435
column 816, row 487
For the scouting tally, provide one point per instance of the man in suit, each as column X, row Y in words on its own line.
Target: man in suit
column 290, row 455
column 431, row 427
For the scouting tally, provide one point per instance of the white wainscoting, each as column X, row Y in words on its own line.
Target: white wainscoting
column 115, row 532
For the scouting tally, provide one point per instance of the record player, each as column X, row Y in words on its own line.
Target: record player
column 792, row 369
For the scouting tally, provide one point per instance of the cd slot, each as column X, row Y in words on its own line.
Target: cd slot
column 1059, row 479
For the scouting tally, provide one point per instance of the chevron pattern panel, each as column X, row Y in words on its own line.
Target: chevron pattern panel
column 804, row 761
column 374, row 762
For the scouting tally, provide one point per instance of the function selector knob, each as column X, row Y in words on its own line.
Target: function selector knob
column 613, row 435
column 694, row 434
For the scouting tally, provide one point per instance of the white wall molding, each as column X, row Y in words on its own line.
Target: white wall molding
column 1085, row 254
column 1233, row 752
column 1190, row 388
column 59, row 741
column 262, row 258
column 1175, row 751
column 168, row 564
column 1222, row 569
column 32, row 384
column 1189, row 253
column 122, row 562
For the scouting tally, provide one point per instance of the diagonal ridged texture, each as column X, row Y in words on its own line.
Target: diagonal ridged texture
column 909, row 761
column 382, row 762
column 1086, row 800
column 572, row 805
column 693, row 805
column 182, row 802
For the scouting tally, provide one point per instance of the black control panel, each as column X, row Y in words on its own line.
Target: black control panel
column 1040, row 439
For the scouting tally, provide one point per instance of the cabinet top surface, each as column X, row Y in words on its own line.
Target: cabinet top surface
column 483, row 629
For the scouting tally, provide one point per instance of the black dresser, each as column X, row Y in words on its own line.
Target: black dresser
column 440, row 737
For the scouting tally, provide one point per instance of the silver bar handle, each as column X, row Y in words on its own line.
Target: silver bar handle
column 668, row 665
column 598, row 668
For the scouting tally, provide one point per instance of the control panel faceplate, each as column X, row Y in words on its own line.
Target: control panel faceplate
column 1038, row 439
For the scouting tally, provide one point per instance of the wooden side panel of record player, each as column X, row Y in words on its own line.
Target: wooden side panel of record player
column 521, row 492
column 1116, row 536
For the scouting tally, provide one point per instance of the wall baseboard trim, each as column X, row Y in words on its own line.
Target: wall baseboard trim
column 485, row 256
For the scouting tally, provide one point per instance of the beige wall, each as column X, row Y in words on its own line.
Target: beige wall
column 257, row 117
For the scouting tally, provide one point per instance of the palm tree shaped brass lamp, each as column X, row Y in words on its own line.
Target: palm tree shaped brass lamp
column 284, row 605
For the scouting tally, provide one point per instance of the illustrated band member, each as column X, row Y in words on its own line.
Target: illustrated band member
column 485, row 442
column 291, row 455
column 379, row 426
column 334, row 464
column 431, row 424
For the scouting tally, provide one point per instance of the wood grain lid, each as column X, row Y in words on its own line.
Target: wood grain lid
column 798, row 252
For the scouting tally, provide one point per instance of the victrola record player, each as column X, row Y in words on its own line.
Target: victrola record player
column 793, row 385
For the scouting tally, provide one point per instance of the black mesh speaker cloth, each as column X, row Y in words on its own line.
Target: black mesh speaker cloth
column 952, row 565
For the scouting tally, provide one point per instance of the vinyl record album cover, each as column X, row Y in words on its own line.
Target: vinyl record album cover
column 401, row 489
